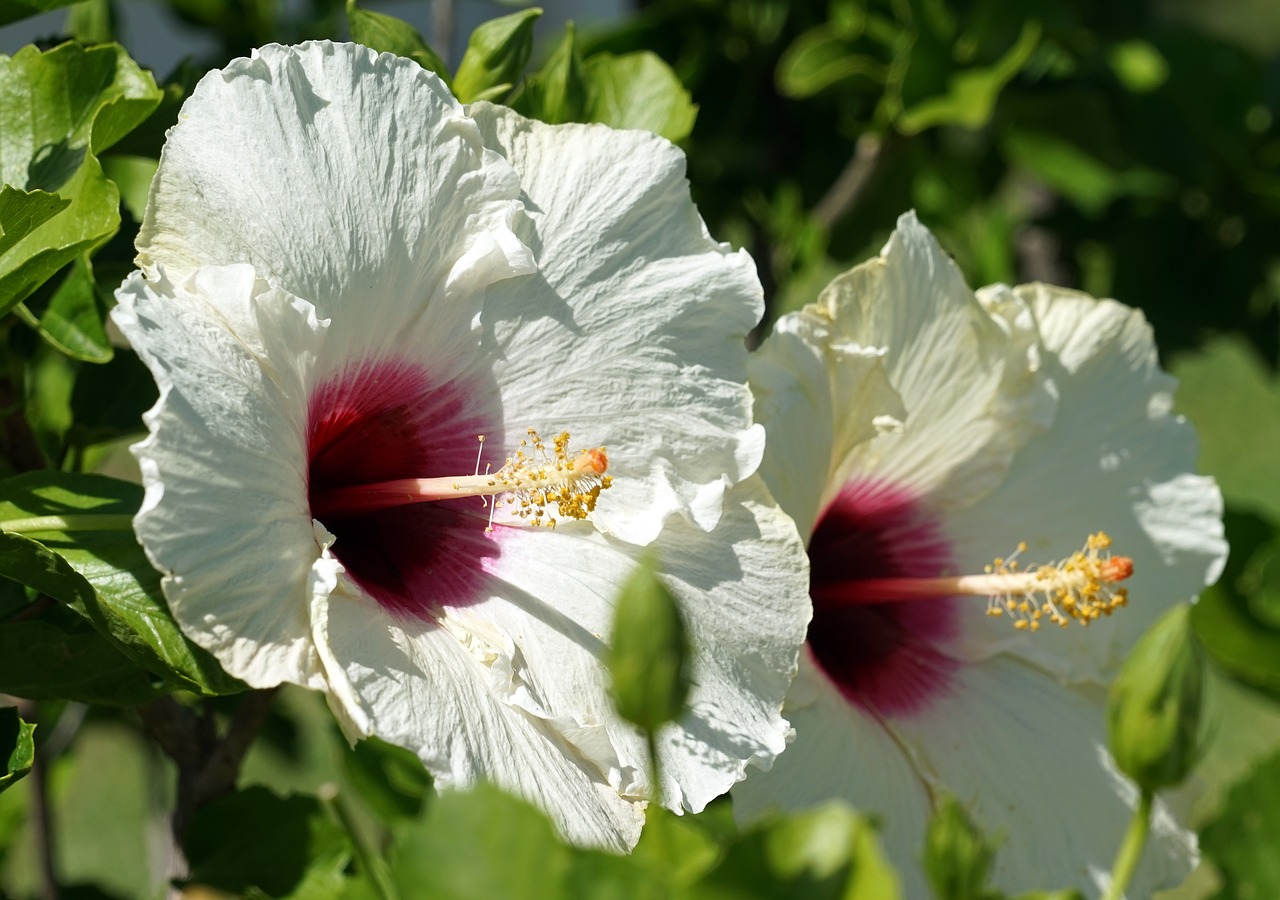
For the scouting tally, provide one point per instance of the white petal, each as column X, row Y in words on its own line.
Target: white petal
column 743, row 594
column 1115, row 460
column 1028, row 760
column 631, row 334
column 349, row 179
column 818, row 398
column 840, row 752
column 225, row 513
column 966, row 371
column 419, row 686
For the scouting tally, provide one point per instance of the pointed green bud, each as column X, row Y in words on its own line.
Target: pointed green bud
column 496, row 54
column 1154, row 714
column 649, row 656
column 957, row 856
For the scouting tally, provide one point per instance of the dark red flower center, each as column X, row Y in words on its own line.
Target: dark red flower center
column 884, row 657
column 389, row 420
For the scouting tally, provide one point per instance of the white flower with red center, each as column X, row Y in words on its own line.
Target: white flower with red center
column 960, row 464
column 346, row 280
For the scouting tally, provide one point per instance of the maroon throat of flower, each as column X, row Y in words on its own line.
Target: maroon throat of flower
column 534, row 479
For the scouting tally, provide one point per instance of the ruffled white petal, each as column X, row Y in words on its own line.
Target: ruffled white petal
column 1116, row 460
column 635, row 303
column 840, row 752
column 225, row 514
column 818, row 398
column 537, row 645
column 352, row 180
column 1028, row 759
column 966, row 371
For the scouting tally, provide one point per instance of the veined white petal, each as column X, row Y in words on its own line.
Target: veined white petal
column 966, row 371
column 1027, row 757
column 225, row 515
column 635, row 302
column 349, row 179
column 1116, row 460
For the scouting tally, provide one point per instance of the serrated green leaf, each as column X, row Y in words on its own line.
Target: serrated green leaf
column 639, row 90
column 22, row 212
column 255, row 842
column 971, row 94
column 387, row 34
column 74, row 322
column 15, row 10
column 57, row 110
column 1241, row 839
column 44, row 659
column 17, row 746
column 496, row 55
column 86, row 521
column 558, row 92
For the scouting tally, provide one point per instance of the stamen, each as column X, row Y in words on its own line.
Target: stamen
column 530, row 480
column 1080, row 587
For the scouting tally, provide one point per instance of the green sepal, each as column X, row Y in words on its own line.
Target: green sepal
column 17, row 745
column 387, row 34
column 496, row 55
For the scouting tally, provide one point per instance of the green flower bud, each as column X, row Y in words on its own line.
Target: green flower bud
column 649, row 657
column 957, row 857
column 1154, row 714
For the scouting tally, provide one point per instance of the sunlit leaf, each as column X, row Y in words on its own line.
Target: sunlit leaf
column 86, row 521
column 496, row 54
column 74, row 319
column 17, row 746
column 57, row 110
column 823, row 57
column 639, row 90
column 558, row 92
column 387, row 34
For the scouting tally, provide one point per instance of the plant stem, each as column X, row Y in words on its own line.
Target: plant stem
column 370, row 861
column 1135, row 840
column 41, row 811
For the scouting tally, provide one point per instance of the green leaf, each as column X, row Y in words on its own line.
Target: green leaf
column 390, row 779
column 58, row 109
column 1085, row 180
column 957, row 856
column 17, row 745
column 1138, row 65
column 74, row 322
column 1241, row 839
column 254, row 840
column 1232, row 620
column 675, row 847
column 108, row 402
column 86, row 521
column 639, row 90
column 821, row 58
column 971, row 93
column 649, row 658
column 496, row 55
column 51, row 659
column 22, row 212
column 558, row 92
column 1222, row 386
column 14, row 10
column 451, row 851
column 387, row 34
column 827, row 852
column 132, row 176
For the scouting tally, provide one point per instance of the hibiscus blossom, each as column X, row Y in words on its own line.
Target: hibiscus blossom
column 363, row 304
column 919, row 433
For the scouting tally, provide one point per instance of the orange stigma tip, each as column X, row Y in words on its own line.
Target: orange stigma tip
column 594, row 461
column 1116, row 568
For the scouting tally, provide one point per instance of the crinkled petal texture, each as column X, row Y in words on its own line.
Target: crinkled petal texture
column 1029, row 414
column 633, row 301
column 337, row 291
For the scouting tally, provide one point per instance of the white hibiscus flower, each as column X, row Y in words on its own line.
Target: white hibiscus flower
column 346, row 278
column 916, row 433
